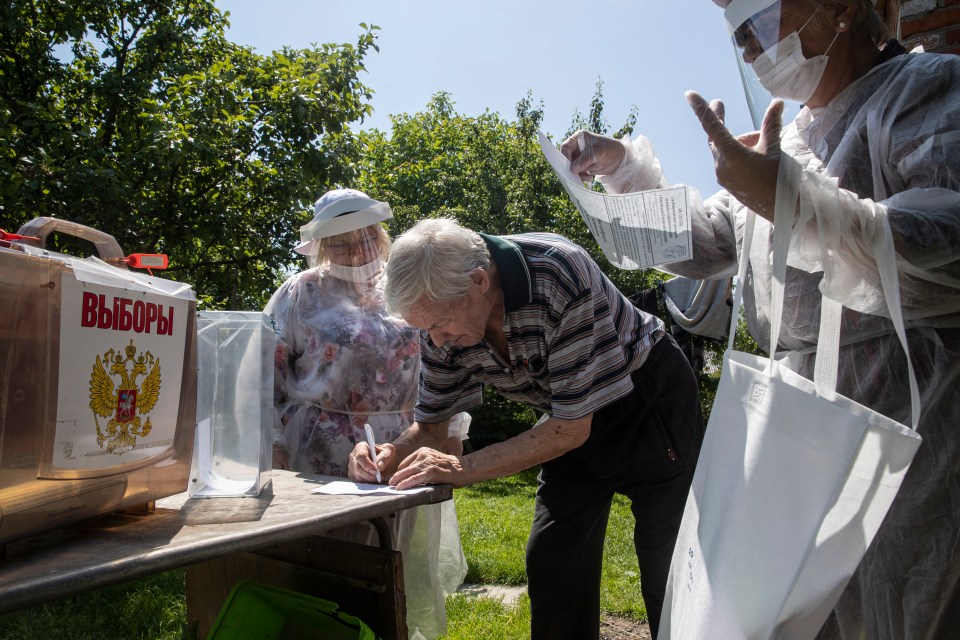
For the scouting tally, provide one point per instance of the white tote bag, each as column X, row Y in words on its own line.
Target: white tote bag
column 792, row 482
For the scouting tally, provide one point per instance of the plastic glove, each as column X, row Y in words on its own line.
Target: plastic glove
column 460, row 426
column 591, row 154
column 747, row 166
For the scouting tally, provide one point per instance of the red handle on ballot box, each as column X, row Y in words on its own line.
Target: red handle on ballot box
column 13, row 237
column 146, row 260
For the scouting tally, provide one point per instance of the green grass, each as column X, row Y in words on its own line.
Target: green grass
column 149, row 609
column 494, row 517
column 469, row 618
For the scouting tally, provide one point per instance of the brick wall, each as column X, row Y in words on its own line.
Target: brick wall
column 933, row 23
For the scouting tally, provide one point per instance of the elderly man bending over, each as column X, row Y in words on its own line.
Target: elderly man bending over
column 533, row 316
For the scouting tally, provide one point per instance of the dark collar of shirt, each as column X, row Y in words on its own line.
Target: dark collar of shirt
column 891, row 50
column 515, row 279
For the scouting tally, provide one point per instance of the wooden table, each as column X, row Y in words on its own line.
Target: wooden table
column 273, row 538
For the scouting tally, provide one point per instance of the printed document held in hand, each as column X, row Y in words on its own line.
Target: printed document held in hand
column 634, row 230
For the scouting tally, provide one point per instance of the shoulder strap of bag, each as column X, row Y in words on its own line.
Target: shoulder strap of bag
column 745, row 245
column 828, row 342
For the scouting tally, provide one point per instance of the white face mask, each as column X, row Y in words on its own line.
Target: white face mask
column 368, row 274
column 791, row 76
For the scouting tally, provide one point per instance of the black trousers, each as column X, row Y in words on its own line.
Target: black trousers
column 643, row 446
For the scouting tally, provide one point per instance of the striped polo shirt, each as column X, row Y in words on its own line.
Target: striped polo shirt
column 573, row 338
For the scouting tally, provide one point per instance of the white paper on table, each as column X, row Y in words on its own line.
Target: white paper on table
column 634, row 230
column 347, row 488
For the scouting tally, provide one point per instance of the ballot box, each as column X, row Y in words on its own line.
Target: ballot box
column 232, row 456
column 97, row 381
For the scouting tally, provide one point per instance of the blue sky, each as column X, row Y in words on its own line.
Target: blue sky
column 487, row 54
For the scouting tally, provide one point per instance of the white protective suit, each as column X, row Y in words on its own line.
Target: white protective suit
column 342, row 361
column 889, row 141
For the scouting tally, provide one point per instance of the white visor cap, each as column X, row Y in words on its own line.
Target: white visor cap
column 739, row 11
column 340, row 211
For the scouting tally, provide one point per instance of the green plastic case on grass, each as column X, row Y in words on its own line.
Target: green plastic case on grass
column 256, row 611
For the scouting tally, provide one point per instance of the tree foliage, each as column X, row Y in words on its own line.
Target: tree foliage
column 485, row 171
column 595, row 120
column 140, row 118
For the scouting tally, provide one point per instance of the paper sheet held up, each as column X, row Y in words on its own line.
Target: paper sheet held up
column 634, row 230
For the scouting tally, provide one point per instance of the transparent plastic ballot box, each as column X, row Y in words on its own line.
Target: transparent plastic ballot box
column 232, row 452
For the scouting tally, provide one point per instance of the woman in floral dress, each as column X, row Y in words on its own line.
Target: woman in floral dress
column 341, row 362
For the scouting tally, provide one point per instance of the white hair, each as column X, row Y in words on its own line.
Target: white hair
column 433, row 259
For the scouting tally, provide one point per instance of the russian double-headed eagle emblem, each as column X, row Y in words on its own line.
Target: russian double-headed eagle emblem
column 122, row 402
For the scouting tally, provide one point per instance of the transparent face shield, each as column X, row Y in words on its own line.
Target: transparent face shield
column 355, row 258
column 770, row 65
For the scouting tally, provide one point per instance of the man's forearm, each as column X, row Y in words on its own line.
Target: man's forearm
column 544, row 442
column 432, row 435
